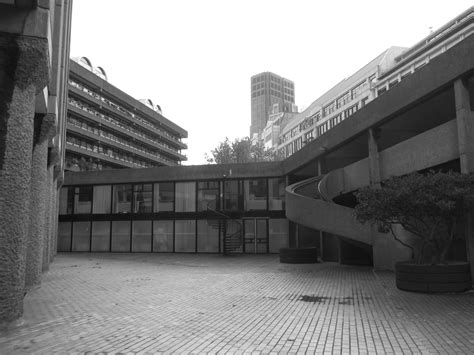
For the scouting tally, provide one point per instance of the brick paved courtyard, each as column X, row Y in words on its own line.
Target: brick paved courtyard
column 183, row 304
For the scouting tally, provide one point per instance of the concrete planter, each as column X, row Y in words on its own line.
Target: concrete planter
column 298, row 255
column 453, row 277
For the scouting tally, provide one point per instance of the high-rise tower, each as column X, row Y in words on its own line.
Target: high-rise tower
column 266, row 90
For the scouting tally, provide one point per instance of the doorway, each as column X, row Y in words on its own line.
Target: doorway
column 256, row 236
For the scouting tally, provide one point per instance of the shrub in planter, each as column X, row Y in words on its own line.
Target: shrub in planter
column 430, row 207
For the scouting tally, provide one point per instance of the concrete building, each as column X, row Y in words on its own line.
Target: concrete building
column 108, row 129
column 424, row 122
column 266, row 90
column 34, row 64
column 372, row 80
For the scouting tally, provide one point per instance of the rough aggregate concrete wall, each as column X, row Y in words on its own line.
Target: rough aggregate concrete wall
column 23, row 73
column 54, row 234
column 48, row 220
column 14, row 200
column 34, row 255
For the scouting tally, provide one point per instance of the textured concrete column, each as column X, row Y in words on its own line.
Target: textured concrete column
column 380, row 244
column 47, row 223
column 465, row 124
column 374, row 160
column 49, row 220
column 44, row 130
column 386, row 250
column 321, row 233
column 54, row 239
column 23, row 74
column 49, row 244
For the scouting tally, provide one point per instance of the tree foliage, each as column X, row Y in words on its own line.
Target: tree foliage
column 429, row 206
column 239, row 151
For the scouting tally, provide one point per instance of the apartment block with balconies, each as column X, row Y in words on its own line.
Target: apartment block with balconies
column 108, row 129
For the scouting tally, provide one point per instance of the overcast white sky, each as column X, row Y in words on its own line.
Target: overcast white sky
column 195, row 57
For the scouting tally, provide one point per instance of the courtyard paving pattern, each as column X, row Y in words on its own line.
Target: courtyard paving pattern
column 211, row 304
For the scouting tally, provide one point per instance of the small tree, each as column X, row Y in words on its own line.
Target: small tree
column 428, row 206
column 222, row 154
column 239, row 151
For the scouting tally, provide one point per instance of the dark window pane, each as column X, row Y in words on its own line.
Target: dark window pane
column 208, row 195
column 102, row 196
column 64, row 236
column 83, row 200
column 164, row 197
column 255, row 194
column 121, row 236
column 81, row 236
column 66, row 200
column 185, row 236
column 122, row 199
column 162, row 236
column 231, row 195
column 208, row 236
column 141, row 236
column 142, row 198
column 100, row 236
column 276, row 190
column 185, row 196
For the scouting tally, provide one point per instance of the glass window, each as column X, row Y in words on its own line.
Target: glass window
column 185, row 197
column 66, row 200
column 162, row 236
column 81, row 236
column 278, row 235
column 64, row 236
column 276, row 194
column 82, row 199
column 185, row 236
column 164, row 197
column 249, row 236
column 262, row 239
column 344, row 99
column 141, row 236
column 100, row 236
column 122, row 198
column 255, row 194
column 208, row 236
column 142, row 198
column 102, row 196
column 327, row 110
column 231, row 195
column 121, row 236
column 208, row 195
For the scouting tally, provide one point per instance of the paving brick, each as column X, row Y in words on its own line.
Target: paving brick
column 197, row 304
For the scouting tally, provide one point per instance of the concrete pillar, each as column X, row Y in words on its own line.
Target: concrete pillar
column 56, row 159
column 44, row 130
column 386, row 250
column 54, row 235
column 465, row 124
column 49, row 220
column 23, row 74
column 321, row 236
column 374, row 160
column 380, row 243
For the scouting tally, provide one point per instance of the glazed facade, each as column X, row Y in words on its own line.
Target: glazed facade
column 191, row 216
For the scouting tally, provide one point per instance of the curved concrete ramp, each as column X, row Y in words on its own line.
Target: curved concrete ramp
column 306, row 207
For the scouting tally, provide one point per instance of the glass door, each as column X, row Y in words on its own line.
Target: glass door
column 255, row 236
